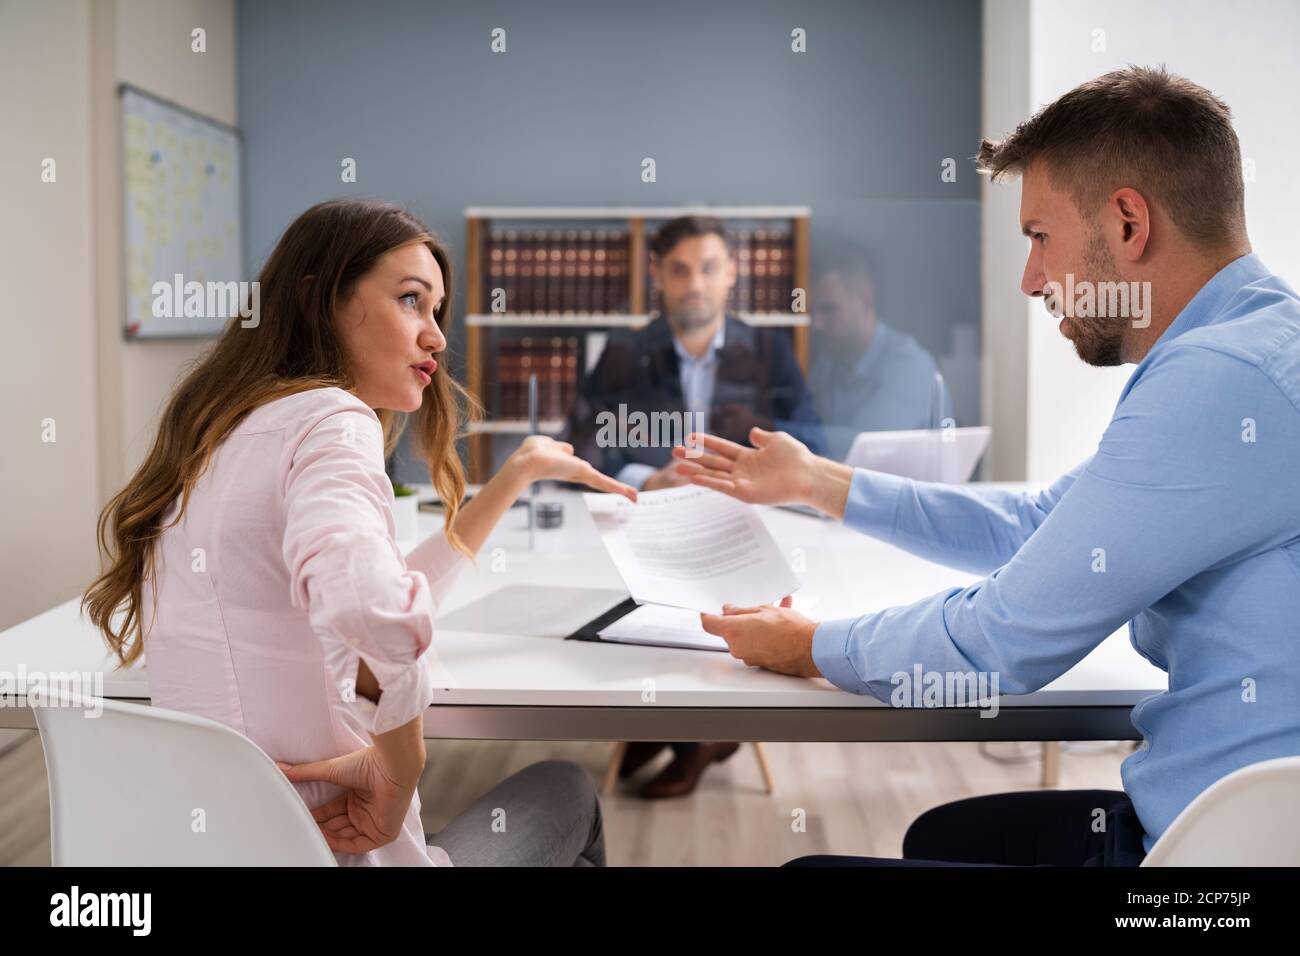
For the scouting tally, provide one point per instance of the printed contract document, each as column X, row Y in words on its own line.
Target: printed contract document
column 663, row 627
column 691, row 547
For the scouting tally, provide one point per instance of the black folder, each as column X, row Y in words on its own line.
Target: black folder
column 591, row 630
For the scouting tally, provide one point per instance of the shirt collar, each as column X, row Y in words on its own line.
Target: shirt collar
column 1211, row 297
column 714, row 346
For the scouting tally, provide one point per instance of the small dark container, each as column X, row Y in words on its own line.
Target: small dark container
column 549, row 514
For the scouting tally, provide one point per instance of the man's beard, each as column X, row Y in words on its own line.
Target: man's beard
column 684, row 319
column 1098, row 340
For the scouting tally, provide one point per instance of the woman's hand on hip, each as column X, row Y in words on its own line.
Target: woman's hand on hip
column 371, row 811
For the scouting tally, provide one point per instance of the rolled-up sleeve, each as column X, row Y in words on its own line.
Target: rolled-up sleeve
column 345, row 568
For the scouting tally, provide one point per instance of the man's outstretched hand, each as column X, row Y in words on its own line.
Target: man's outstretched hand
column 774, row 472
column 778, row 470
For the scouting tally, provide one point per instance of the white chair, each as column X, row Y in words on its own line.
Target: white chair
column 1247, row 818
column 130, row 787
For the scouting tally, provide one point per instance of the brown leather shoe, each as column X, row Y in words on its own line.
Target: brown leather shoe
column 682, row 775
column 638, row 754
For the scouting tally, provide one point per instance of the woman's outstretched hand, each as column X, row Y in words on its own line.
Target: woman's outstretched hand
column 371, row 811
column 542, row 458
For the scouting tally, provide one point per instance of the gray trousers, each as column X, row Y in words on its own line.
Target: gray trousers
column 547, row 814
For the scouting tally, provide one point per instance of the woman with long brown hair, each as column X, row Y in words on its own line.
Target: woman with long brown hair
column 254, row 548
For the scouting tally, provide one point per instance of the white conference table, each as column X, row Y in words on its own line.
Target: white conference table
column 504, row 670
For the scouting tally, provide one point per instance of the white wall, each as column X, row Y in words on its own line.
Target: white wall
column 1005, row 334
column 147, row 43
column 1247, row 53
column 60, row 269
column 50, row 498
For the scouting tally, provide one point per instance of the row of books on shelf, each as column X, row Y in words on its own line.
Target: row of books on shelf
column 586, row 271
column 553, row 359
column 581, row 271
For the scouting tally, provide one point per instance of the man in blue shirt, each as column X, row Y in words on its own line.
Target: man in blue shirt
column 1184, row 523
column 869, row 375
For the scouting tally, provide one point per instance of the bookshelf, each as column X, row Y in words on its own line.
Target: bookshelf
column 545, row 283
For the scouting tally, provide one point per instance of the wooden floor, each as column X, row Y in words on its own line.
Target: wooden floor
column 855, row 798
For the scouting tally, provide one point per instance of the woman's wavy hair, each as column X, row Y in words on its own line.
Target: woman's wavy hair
column 294, row 346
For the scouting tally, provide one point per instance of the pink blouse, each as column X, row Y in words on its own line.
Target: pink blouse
column 282, row 575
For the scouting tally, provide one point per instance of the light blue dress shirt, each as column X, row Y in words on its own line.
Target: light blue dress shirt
column 698, row 376
column 1185, row 523
column 890, row 387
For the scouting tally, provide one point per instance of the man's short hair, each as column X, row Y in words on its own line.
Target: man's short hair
column 1140, row 127
column 683, row 227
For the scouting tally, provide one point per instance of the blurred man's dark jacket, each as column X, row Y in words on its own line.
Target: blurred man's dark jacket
column 758, row 382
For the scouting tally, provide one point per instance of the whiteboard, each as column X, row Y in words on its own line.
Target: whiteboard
column 181, row 201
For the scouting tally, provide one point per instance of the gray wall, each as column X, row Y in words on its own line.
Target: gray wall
column 856, row 128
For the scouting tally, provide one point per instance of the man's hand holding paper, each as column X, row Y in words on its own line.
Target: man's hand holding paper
column 774, row 638
column 693, row 548
column 778, row 470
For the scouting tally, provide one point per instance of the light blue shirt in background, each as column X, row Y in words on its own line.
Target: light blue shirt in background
column 891, row 386
column 698, row 376
column 1185, row 523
